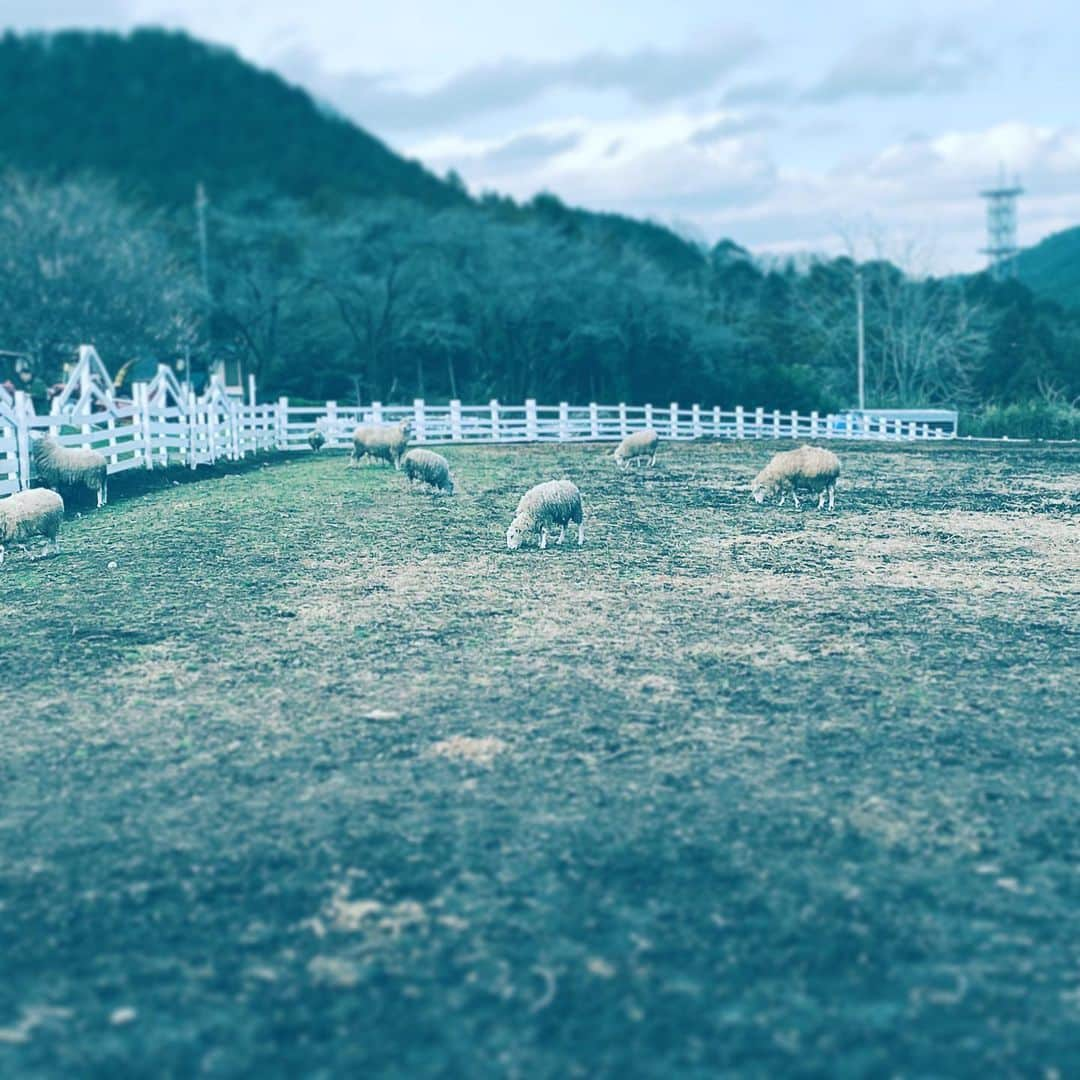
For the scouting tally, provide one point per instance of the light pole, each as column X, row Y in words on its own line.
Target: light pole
column 862, row 339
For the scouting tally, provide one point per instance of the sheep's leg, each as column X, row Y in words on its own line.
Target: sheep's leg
column 562, row 534
column 580, row 533
column 821, row 500
column 795, row 496
column 652, row 461
column 832, row 496
column 1, row 554
column 543, row 537
column 783, row 496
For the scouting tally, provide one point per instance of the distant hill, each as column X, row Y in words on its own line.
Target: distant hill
column 1051, row 268
column 157, row 111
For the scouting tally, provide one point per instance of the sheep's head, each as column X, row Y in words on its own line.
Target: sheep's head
column 515, row 534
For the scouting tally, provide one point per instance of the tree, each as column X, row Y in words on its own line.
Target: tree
column 80, row 267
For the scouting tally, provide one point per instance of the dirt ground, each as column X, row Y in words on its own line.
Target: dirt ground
column 322, row 780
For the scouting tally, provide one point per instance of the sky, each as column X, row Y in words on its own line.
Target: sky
column 786, row 127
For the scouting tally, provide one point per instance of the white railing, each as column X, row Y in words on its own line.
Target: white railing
column 164, row 424
column 530, row 422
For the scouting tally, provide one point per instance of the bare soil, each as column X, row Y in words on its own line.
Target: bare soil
column 322, row 780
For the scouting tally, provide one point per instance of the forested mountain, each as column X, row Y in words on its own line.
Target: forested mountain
column 1052, row 268
column 156, row 112
column 338, row 269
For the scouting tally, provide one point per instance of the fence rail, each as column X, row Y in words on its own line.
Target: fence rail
column 164, row 424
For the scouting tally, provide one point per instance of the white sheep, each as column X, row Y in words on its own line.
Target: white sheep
column 69, row 470
column 316, row 440
column 384, row 442
column 641, row 444
column 809, row 468
column 429, row 468
column 35, row 512
column 556, row 502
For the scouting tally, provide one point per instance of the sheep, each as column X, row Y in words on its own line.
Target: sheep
column 35, row 512
column 69, row 470
column 641, row 444
column 809, row 468
column 316, row 440
column 557, row 502
column 429, row 468
column 383, row 441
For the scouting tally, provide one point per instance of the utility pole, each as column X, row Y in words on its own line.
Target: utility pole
column 204, row 268
column 862, row 339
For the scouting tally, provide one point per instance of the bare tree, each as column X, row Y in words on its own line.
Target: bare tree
column 80, row 267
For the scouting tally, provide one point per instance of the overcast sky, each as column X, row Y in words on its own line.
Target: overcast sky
column 782, row 125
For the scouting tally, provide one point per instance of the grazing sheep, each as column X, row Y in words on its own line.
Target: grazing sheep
column 807, row 469
column 36, row 512
column 557, row 502
column 316, row 440
column 641, row 444
column 429, row 468
column 386, row 442
column 69, row 470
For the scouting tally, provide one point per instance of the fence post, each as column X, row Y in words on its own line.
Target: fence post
column 494, row 405
column 332, row 432
column 623, row 428
column 530, row 419
column 716, row 421
column 594, row 420
column 695, row 419
column 419, row 421
column 455, row 420
column 142, row 403
column 776, row 423
column 648, row 415
column 282, row 439
column 814, row 424
column 759, row 422
column 850, row 426
column 740, row 422
column 236, row 420
column 22, row 437
column 564, row 421
column 673, row 413
column 193, row 429
column 794, row 424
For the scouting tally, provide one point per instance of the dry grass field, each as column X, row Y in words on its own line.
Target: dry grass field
column 322, row 780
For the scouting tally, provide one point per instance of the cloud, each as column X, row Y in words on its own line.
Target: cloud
column 530, row 149
column 57, row 14
column 735, row 124
column 759, row 92
column 648, row 77
column 669, row 164
column 910, row 59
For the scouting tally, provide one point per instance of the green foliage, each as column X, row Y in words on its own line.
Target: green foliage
column 1051, row 268
column 340, row 270
column 1024, row 420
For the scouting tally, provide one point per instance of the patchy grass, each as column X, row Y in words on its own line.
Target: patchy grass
column 320, row 779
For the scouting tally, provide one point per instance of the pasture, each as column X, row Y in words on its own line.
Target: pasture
column 321, row 780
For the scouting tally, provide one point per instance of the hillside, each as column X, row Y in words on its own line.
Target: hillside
column 157, row 111
column 1051, row 269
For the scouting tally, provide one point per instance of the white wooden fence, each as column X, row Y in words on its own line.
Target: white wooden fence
column 164, row 424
